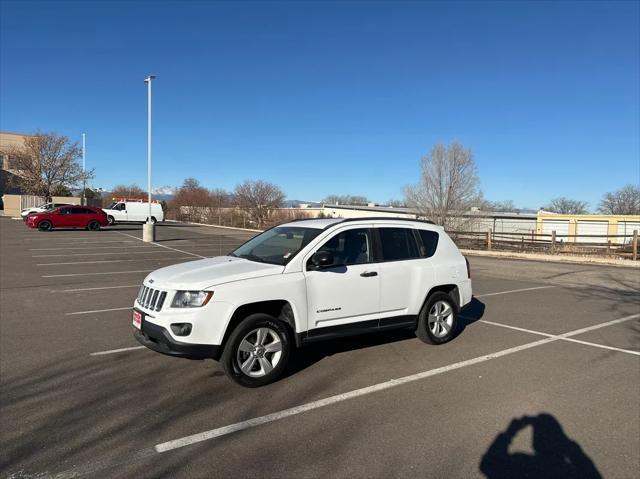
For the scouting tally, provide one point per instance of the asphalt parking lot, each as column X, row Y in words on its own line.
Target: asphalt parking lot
column 544, row 381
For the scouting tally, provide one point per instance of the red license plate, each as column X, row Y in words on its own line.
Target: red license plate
column 137, row 319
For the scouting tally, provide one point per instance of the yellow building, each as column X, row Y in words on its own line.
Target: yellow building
column 8, row 141
column 588, row 228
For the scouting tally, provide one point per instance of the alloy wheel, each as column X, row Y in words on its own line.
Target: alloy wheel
column 259, row 352
column 440, row 319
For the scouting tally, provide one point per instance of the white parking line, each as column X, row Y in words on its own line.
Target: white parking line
column 112, row 351
column 154, row 251
column 97, row 311
column 65, row 242
column 68, row 248
column 95, row 274
column 512, row 291
column 163, row 246
column 564, row 338
column 240, row 426
column 114, row 261
column 93, row 289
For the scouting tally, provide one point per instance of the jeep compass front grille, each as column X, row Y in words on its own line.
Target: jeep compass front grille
column 152, row 299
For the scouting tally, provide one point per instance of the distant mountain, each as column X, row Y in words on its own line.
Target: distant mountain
column 164, row 190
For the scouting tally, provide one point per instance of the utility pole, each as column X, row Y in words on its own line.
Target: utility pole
column 148, row 232
column 83, row 200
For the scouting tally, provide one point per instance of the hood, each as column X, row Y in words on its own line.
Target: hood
column 201, row 274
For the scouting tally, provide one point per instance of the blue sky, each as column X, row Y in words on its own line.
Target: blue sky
column 334, row 97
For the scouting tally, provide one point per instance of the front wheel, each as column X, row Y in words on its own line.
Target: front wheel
column 438, row 320
column 257, row 351
column 111, row 220
column 45, row 225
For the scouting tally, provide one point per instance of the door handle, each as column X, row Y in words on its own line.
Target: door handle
column 368, row 274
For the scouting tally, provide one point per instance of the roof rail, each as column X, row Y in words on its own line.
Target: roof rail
column 377, row 218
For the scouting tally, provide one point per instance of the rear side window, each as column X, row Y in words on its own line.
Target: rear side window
column 398, row 244
column 80, row 211
column 429, row 242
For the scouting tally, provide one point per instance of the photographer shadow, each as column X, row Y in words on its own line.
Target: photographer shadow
column 554, row 454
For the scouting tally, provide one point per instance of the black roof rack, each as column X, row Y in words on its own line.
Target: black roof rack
column 364, row 218
column 377, row 218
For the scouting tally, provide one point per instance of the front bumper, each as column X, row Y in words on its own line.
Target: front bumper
column 158, row 339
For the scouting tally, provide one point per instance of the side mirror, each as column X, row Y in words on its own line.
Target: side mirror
column 322, row 259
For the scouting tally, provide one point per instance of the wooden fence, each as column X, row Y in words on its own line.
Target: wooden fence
column 612, row 246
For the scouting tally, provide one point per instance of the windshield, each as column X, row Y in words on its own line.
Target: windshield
column 111, row 205
column 278, row 245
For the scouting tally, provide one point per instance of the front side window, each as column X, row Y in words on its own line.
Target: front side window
column 398, row 244
column 278, row 245
column 350, row 247
column 65, row 211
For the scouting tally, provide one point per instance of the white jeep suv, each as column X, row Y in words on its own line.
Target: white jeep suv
column 304, row 281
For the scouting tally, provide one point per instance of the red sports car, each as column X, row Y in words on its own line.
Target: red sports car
column 69, row 217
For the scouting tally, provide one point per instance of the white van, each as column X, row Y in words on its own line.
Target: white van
column 124, row 210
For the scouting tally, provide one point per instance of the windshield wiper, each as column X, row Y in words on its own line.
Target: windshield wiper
column 252, row 257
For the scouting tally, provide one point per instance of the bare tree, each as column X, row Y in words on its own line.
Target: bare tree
column 448, row 187
column 124, row 191
column 625, row 201
column 47, row 164
column 567, row 206
column 346, row 200
column 191, row 193
column 220, row 198
column 505, row 205
column 396, row 203
column 192, row 199
column 257, row 198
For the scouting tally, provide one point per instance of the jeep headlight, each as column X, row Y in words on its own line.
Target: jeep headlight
column 191, row 299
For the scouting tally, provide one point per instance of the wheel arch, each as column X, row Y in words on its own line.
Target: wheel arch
column 278, row 308
column 450, row 289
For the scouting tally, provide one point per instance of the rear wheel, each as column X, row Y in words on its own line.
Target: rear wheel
column 257, row 351
column 438, row 320
column 45, row 225
column 153, row 220
column 111, row 219
column 93, row 225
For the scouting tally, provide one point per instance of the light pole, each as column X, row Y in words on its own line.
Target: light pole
column 84, row 176
column 148, row 231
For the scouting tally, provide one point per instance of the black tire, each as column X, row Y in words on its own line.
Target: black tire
column 232, row 355
column 111, row 220
column 153, row 220
column 425, row 331
column 93, row 225
column 45, row 225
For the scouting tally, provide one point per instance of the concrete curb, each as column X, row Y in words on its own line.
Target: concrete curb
column 625, row 263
